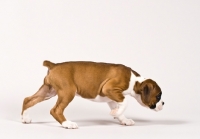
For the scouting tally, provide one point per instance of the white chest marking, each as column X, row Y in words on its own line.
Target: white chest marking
column 133, row 79
column 130, row 90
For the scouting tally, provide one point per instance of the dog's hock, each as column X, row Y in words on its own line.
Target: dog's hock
column 69, row 125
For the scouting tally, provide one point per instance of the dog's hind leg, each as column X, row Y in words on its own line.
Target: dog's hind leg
column 65, row 96
column 45, row 92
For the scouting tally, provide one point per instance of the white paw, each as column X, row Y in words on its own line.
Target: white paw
column 69, row 125
column 127, row 122
column 26, row 118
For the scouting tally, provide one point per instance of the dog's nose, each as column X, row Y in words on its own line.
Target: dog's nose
column 163, row 103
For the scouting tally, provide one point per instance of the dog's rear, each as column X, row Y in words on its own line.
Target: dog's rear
column 45, row 92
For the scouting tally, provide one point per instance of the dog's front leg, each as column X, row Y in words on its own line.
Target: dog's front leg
column 117, row 110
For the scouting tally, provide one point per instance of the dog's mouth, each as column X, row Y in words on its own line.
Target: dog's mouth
column 152, row 106
column 158, row 106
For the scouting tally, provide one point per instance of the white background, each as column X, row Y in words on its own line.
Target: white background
column 158, row 39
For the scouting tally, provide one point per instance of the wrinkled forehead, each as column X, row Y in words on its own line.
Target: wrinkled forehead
column 152, row 85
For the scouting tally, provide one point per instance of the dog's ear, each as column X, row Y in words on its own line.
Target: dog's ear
column 146, row 90
column 145, row 93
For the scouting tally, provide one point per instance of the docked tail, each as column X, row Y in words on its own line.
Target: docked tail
column 48, row 64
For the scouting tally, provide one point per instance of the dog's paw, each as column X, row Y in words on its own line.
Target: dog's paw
column 26, row 118
column 127, row 122
column 69, row 125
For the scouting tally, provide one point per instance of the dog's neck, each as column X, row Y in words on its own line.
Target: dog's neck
column 134, row 84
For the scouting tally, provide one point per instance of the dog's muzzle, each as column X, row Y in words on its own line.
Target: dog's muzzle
column 158, row 106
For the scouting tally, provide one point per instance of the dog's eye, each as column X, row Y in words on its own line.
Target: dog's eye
column 158, row 97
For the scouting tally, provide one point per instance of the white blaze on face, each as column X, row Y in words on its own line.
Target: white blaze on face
column 159, row 106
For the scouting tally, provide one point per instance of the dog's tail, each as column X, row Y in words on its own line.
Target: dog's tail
column 48, row 64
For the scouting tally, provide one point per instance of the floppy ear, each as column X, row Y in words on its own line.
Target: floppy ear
column 146, row 90
column 146, row 93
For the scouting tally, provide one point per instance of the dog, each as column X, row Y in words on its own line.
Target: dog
column 99, row 82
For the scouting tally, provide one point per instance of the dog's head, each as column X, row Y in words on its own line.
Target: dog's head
column 149, row 94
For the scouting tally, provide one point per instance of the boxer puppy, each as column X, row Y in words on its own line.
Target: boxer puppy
column 100, row 82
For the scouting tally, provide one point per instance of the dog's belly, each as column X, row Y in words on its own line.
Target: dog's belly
column 101, row 99
column 98, row 98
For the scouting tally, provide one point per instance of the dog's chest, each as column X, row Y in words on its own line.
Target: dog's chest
column 98, row 98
